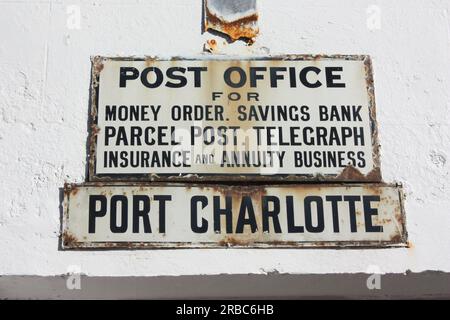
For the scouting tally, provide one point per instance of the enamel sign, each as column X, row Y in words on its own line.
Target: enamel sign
column 160, row 215
column 281, row 118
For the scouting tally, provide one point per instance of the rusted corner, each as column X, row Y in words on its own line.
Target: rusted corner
column 397, row 238
column 211, row 46
column 71, row 189
column 68, row 240
column 239, row 25
column 97, row 67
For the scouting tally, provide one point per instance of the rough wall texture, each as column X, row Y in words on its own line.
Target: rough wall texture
column 44, row 82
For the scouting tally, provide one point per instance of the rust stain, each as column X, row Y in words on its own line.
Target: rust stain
column 397, row 238
column 244, row 27
column 350, row 173
column 230, row 241
column 99, row 67
column 69, row 240
column 372, row 111
column 95, row 129
column 74, row 190
column 237, row 192
column 70, row 189
column 214, row 46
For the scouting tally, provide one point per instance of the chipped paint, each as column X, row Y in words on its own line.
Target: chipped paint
column 236, row 19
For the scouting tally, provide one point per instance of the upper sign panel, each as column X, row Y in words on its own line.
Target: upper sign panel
column 289, row 117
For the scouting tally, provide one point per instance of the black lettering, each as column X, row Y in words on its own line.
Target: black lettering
column 194, row 226
column 334, row 210
column 171, row 74
column 162, row 211
column 274, row 76
column 110, row 112
column 304, row 79
column 246, row 206
column 227, row 212
column 331, row 77
column 127, row 73
column 141, row 213
column 308, row 214
column 93, row 212
column 197, row 75
column 242, row 77
column 352, row 211
column 369, row 212
column 267, row 213
column 254, row 76
column 159, row 77
column 115, row 228
column 292, row 228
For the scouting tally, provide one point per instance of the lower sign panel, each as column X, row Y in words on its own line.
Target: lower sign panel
column 195, row 216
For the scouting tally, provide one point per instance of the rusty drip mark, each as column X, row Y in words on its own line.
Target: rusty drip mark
column 397, row 238
column 245, row 27
column 211, row 45
column 149, row 60
column 94, row 132
column 372, row 109
column 67, row 187
column 99, row 67
column 70, row 189
column 95, row 129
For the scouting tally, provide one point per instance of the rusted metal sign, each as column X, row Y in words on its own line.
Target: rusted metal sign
column 190, row 216
column 235, row 18
column 279, row 118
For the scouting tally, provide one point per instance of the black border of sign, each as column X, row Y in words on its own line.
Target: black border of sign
column 349, row 174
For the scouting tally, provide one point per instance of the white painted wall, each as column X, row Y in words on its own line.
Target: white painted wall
column 44, row 85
